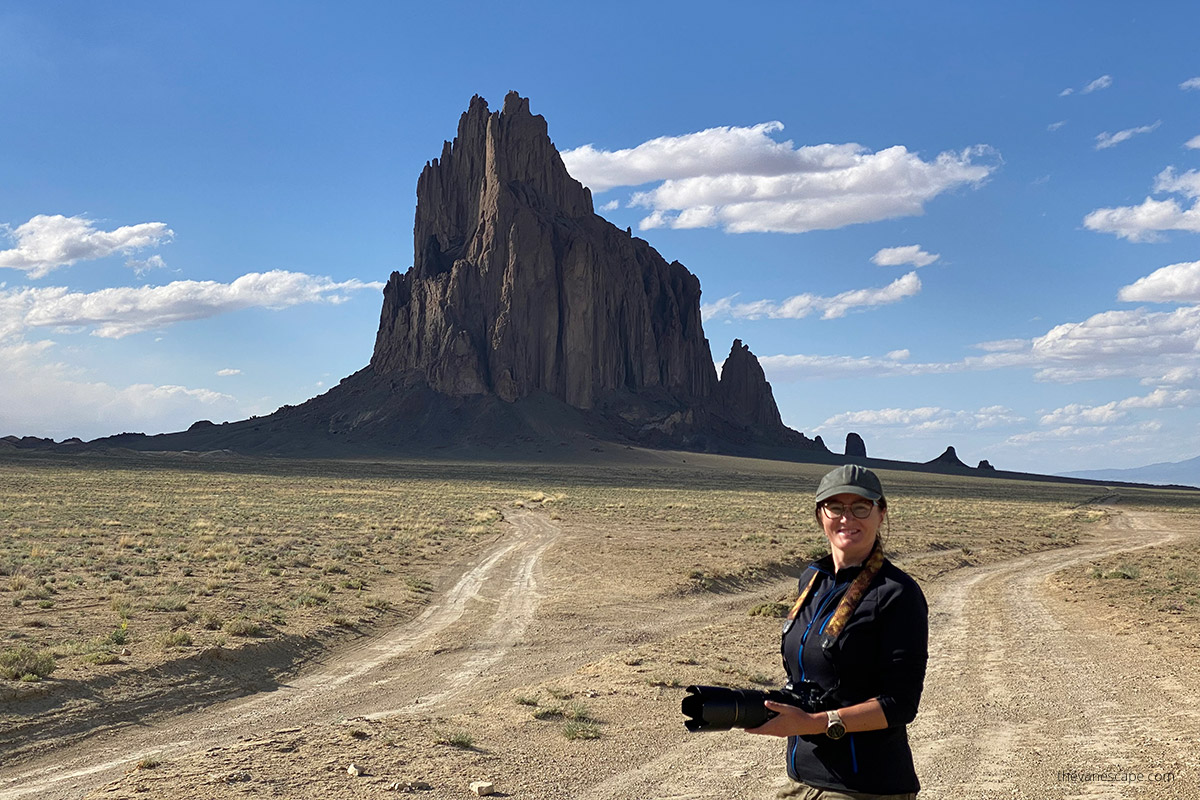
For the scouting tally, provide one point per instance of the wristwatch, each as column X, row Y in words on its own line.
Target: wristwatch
column 836, row 729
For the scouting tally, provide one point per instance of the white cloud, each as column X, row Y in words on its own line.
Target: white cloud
column 1103, row 82
column 48, row 242
column 909, row 254
column 1171, row 182
column 899, row 355
column 611, row 205
column 1190, row 83
column 1003, row 345
column 744, row 181
column 1193, row 143
column 1159, row 348
column 141, row 267
column 1173, row 283
column 49, row 399
column 801, row 305
column 1106, row 140
column 1075, row 414
column 1053, row 126
column 926, row 419
column 809, row 367
column 1143, row 223
column 225, row 373
column 121, row 311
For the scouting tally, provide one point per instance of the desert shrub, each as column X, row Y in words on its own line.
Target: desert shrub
column 18, row 663
column 460, row 739
column 574, row 730
column 770, row 610
column 173, row 639
column 241, row 626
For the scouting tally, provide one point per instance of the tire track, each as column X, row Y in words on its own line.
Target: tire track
column 1021, row 699
column 392, row 671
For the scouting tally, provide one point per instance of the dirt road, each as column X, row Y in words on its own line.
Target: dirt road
column 1026, row 696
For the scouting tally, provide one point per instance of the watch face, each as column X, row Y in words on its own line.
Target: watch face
column 836, row 730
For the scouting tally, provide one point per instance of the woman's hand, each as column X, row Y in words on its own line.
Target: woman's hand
column 791, row 721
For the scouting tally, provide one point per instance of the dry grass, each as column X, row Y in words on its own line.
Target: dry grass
column 175, row 554
column 162, row 555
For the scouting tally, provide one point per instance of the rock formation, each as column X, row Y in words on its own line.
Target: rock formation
column 518, row 287
column 525, row 319
column 855, row 446
column 948, row 458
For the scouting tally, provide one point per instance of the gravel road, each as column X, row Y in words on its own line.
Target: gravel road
column 1027, row 695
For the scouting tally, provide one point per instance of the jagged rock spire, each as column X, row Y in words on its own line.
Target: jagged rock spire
column 518, row 286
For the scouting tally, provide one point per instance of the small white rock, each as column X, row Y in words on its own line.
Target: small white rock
column 480, row 788
column 354, row 770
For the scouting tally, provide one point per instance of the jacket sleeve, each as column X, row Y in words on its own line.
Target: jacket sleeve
column 904, row 648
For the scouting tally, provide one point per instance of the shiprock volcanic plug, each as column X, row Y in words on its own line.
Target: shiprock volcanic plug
column 525, row 316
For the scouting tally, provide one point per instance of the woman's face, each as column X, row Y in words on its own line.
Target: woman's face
column 849, row 537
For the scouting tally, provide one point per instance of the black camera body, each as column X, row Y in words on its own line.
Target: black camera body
column 718, row 708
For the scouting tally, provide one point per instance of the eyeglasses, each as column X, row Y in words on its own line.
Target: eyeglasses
column 860, row 510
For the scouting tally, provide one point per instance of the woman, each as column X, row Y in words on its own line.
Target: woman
column 859, row 631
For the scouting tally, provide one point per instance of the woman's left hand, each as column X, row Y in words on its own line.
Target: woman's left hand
column 790, row 721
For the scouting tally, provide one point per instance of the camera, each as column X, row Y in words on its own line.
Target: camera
column 718, row 708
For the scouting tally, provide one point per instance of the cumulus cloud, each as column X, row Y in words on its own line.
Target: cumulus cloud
column 225, row 373
column 48, row 242
column 51, row 399
column 801, row 305
column 1137, row 334
column 1172, row 283
column 926, row 419
column 1190, row 83
column 742, row 180
column 1161, row 348
column 1145, row 222
column 1171, row 182
column 909, row 254
column 1075, row 414
column 121, row 311
column 611, row 205
column 1193, row 143
column 1106, row 140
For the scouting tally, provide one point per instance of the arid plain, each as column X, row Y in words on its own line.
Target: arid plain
column 217, row 626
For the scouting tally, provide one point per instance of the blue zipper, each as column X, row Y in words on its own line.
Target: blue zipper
column 804, row 637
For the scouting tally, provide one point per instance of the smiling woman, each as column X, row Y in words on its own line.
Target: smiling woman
column 858, row 638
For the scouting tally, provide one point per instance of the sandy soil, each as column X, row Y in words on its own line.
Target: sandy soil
column 551, row 675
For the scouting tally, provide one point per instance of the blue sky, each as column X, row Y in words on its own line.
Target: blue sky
column 935, row 223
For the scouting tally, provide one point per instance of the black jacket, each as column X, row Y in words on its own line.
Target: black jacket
column 881, row 653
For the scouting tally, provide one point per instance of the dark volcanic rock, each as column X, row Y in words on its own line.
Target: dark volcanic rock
column 526, row 319
column 855, row 446
column 986, row 465
column 949, row 458
column 518, row 286
column 745, row 393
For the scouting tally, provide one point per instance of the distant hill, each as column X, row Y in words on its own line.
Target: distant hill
column 1185, row 473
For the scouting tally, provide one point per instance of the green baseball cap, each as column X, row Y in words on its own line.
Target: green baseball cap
column 850, row 479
